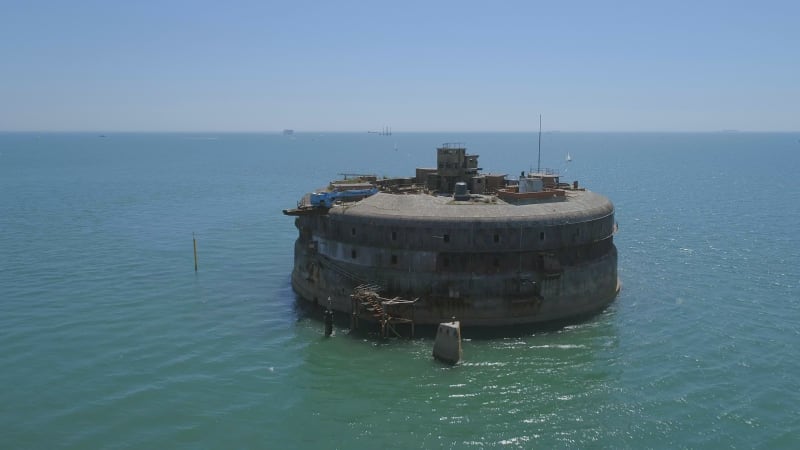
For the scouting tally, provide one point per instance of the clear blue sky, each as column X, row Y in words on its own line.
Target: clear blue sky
column 417, row 66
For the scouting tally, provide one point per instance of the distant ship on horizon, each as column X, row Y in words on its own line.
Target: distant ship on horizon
column 385, row 131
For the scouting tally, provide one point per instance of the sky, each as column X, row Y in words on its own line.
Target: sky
column 431, row 65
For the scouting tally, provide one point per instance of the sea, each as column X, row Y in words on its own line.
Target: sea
column 110, row 339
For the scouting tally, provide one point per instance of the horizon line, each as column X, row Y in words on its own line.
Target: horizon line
column 295, row 131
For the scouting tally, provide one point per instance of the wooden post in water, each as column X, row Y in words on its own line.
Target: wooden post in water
column 194, row 245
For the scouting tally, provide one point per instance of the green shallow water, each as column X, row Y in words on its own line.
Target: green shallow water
column 109, row 339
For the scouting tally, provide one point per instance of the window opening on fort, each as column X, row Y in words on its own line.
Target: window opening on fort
column 496, row 238
column 353, row 231
column 541, row 235
column 394, row 259
column 394, row 235
column 446, row 238
column 353, row 253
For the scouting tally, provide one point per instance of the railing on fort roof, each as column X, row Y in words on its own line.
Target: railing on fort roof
column 546, row 171
column 453, row 145
column 357, row 176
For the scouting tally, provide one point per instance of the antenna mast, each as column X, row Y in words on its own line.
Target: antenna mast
column 539, row 163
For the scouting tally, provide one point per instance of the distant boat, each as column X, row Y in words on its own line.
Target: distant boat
column 288, row 132
column 385, row 131
column 569, row 158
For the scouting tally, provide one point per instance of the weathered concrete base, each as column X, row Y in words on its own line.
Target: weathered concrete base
column 447, row 346
column 577, row 291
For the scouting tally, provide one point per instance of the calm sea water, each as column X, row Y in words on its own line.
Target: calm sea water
column 109, row 339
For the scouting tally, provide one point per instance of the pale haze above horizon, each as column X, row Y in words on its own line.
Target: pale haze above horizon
column 414, row 66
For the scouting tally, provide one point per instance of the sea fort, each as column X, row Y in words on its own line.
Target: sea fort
column 453, row 241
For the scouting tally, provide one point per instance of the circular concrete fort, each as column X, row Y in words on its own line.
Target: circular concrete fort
column 453, row 242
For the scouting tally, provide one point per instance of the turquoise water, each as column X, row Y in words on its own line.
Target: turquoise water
column 109, row 339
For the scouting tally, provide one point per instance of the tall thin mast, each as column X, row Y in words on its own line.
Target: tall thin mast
column 539, row 163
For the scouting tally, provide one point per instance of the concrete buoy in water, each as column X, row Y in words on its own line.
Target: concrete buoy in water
column 447, row 346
